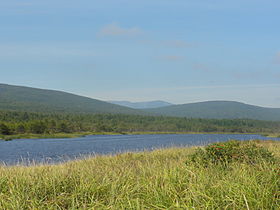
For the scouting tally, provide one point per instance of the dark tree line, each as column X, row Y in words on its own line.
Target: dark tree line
column 12, row 122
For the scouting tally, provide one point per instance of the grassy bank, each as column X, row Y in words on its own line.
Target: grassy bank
column 274, row 135
column 147, row 180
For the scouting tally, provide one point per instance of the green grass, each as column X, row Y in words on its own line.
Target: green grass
column 273, row 135
column 146, row 180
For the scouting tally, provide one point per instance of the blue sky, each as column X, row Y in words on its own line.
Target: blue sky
column 180, row 51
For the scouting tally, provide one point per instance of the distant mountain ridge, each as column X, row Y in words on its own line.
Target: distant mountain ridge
column 142, row 105
column 21, row 98
column 219, row 110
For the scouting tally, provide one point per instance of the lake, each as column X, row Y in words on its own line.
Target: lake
column 30, row 151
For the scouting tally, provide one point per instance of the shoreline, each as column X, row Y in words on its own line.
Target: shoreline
column 84, row 134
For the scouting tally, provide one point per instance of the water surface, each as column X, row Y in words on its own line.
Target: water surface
column 26, row 151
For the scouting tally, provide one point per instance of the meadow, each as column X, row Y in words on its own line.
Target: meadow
column 160, row 179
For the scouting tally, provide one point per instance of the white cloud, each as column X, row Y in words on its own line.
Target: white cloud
column 115, row 30
column 200, row 67
column 169, row 43
column 277, row 58
column 171, row 58
column 176, row 44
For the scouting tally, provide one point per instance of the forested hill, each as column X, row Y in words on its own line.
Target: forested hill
column 14, row 122
column 19, row 98
column 219, row 110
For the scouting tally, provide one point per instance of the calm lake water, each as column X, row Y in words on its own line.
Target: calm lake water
column 29, row 151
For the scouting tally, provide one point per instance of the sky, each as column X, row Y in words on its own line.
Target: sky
column 180, row 51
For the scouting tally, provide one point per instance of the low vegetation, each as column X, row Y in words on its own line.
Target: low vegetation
column 150, row 180
column 273, row 135
column 232, row 151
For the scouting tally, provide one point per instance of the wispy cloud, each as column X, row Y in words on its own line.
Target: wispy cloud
column 173, row 58
column 116, row 30
column 248, row 75
column 277, row 58
column 169, row 43
column 200, row 67
column 176, row 44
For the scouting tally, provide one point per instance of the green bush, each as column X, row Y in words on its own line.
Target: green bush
column 4, row 129
column 232, row 151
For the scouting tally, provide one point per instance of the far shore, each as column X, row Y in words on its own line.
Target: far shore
column 83, row 134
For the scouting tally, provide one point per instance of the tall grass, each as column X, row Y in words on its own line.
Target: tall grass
column 146, row 180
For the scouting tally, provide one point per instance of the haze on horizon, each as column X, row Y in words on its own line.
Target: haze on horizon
column 179, row 51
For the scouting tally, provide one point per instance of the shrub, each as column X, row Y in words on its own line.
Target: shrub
column 4, row 129
column 232, row 151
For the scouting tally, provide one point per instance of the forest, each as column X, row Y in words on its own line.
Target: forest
column 16, row 122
